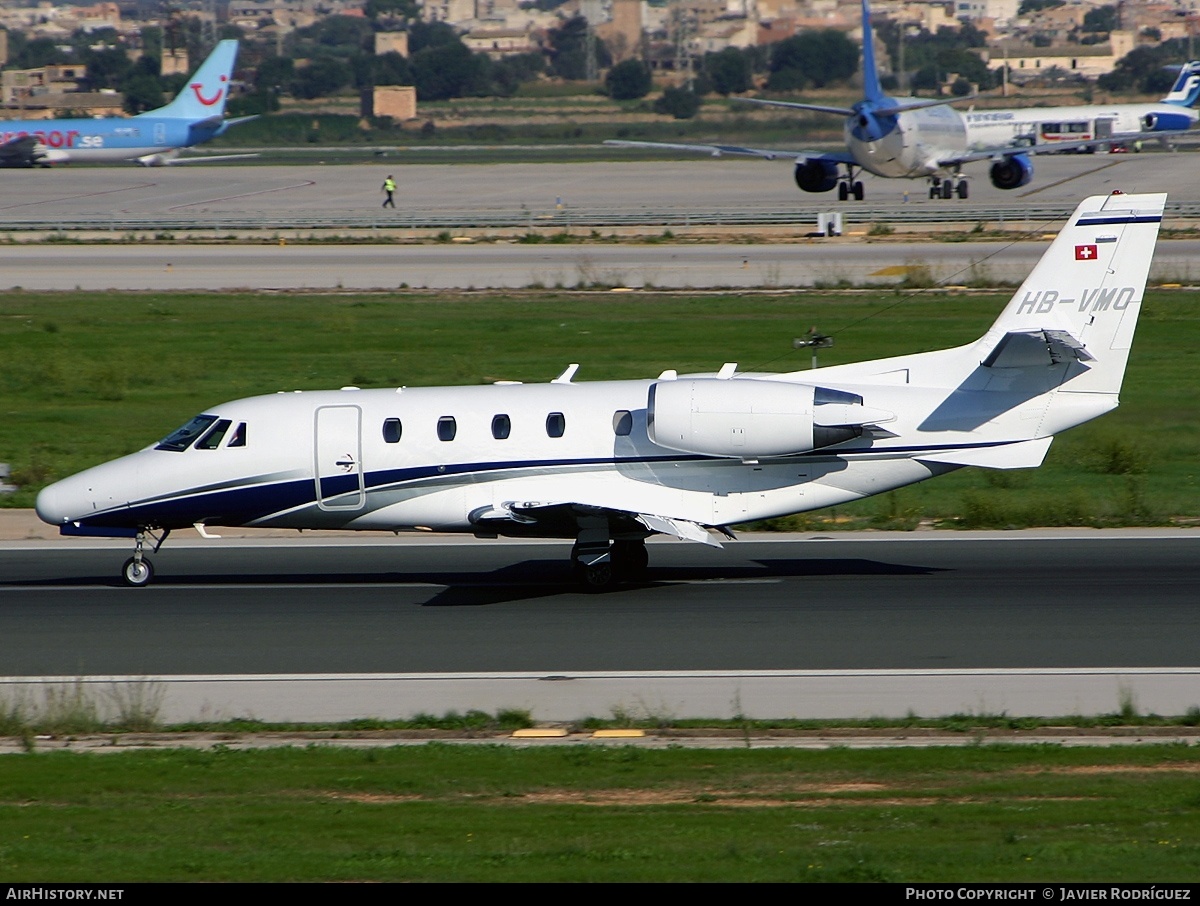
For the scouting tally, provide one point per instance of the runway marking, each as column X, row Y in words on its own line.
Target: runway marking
column 303, row 184
column 31, row 204
column 239, row 586
column 1070, row 178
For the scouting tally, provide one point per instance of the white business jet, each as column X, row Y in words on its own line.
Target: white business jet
column 610, row 463
column 915, row 138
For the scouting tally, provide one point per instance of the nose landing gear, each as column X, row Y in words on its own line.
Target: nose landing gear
column 138, row 570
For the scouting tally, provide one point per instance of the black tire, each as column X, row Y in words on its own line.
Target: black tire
column 843, row 191
column 137, row 574
column 630, row 558
column 598, row 576
column 858, row 191
column 947, row 189
column 963, row 189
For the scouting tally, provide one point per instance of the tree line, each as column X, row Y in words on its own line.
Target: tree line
column 336, row 55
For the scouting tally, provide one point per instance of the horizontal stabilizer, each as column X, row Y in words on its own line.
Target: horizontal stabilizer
column 680, row 528
column 1025, row 454
column 1033, row 348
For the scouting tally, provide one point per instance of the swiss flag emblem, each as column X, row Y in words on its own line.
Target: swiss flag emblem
column 1086, row 253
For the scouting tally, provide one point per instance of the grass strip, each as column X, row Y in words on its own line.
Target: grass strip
column 441, row 812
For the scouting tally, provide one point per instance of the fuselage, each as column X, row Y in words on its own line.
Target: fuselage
column 107, row 139
column 996, row 128
column 912, row 143
column 454, row 458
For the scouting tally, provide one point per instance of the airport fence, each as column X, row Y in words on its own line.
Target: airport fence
column 1015, row 216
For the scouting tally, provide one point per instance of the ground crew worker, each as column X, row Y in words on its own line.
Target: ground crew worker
column 389, row 188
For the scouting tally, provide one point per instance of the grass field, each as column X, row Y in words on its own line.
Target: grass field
column 442, row 812
column 87, row 377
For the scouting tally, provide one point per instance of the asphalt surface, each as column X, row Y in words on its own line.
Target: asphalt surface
column 700, row 184
column 905, row 601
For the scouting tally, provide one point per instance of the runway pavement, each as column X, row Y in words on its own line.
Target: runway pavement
column 760, row 257
column 809, row 263
column 701, row 184
column 877, row 624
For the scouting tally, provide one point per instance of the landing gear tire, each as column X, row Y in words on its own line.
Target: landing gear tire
column 630, row 559
column 137, row 573
column 947, row 189
column 843, row 191
column 963, row 189
column 858, row 191
column 598, row 576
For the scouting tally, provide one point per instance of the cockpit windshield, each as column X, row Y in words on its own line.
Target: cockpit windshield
column 180, row 440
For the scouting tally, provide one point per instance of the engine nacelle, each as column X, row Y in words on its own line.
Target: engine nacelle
column 1012, row 172
column 1166, row 122
column 746, row 419
column 816, row 175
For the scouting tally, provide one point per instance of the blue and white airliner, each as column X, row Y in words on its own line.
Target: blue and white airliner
column 609, row 463
column 152, row 139
column 922, row 138
column 1032, row 125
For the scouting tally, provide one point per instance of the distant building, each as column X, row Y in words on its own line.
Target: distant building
column 396, row 101
column 499, row 42
column 175, row 62
column 1089, row 61
column 391, row 42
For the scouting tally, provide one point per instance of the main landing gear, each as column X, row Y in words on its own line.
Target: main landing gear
column 138, row 570
column 946, row 188
column 600, row 563
column 850, row 186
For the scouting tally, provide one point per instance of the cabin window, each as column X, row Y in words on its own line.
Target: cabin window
column 447, row 427
column 212, row 439
column 239, row 436
column 556, row 424
column 501, row 427
column 179, row 440
column 622, row 422
column 392, row 430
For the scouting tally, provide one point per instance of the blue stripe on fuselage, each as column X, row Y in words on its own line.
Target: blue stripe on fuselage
column 251, row 502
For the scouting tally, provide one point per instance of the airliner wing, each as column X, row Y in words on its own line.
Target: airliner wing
column 207, row 159
column 881, row 110
column 839, row 157
column 20, row 152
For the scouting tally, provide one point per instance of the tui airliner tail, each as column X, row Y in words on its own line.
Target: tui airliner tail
column 204, row 96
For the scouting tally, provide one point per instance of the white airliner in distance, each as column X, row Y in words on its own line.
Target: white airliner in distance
column 909, row 138
column 152, row 139
column 610, row 463
column 1028, row 125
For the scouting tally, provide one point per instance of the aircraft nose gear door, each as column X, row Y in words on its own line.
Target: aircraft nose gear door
column 338, row 465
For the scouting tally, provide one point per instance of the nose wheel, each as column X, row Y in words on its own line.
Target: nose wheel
column 138, row 570
column 137, row 573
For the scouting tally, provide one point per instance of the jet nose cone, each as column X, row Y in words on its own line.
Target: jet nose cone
column 50, row 505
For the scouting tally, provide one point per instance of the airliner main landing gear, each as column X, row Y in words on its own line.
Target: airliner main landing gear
column 138, row 570
column 946, row 188
column 850, row 186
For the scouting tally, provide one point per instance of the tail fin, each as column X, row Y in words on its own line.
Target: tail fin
column 1081, row 302
column 872, row 90
column 204, row 96
column 1186, row 90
